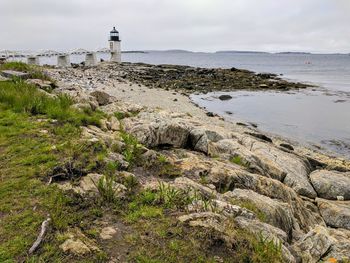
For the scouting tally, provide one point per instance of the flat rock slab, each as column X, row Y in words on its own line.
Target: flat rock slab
column 14, row 74
column 331, row 184
column 335, row 213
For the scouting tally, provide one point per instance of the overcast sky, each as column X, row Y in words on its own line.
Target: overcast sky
column 198, row 25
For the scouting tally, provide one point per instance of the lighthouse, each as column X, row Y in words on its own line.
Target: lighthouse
column 114, row 45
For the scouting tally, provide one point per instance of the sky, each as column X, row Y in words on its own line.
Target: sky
column 321, row 26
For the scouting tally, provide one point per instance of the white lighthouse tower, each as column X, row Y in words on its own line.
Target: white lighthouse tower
column 114, row 45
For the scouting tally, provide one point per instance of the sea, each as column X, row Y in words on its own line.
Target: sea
column 318, row 116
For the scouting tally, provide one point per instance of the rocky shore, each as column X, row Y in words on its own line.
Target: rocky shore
column 127, row 169
column 297, row 198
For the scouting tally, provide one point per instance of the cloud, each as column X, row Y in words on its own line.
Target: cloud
column 201, row 25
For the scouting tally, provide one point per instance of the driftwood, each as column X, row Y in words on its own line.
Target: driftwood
column 38, row 241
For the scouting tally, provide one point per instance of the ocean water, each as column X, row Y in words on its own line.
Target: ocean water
column 318, row 116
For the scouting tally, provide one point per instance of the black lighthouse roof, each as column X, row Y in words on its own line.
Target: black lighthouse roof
column 114, row 35
column 114, row 30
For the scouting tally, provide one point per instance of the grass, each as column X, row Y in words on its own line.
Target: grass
column 239, row 161
column 26, row 158
column 35, row 72
column 22, row 97
column 122, row 115
column 132, row 149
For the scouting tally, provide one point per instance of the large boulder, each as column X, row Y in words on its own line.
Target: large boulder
column 335, row 213
column 277, row 162
column 275, row 212
column 314, row 245
column 172, row 133
column 102, row 97
column 165, row 132
column 331, row 184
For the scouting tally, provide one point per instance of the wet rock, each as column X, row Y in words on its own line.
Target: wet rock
column 335, row 213
column 210, row 114
column 263, row 86
column 331, row 184
column 287, row 146
column 260, row 136
column 242, row 124
column 314, row 245
column 225, row 97
column 266, row 75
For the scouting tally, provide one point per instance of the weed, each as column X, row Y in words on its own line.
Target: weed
column 266, row 250
column 132, row 150
column 120, row 115
column 107, row 189
column 171, row 197
column 162, row 159
column 239, row 161
column 130, row 182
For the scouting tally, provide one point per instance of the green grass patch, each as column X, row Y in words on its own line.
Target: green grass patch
column 239, row 161
column 132, row 149
column 22, row 97
column 32, row 146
